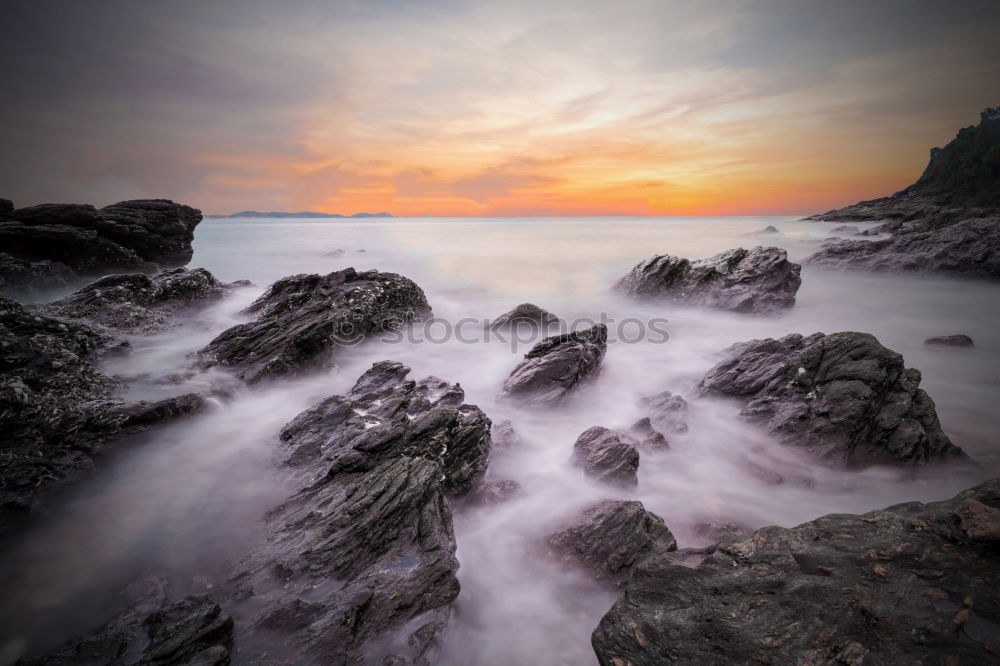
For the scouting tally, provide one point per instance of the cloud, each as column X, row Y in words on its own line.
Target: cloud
column 460, row 107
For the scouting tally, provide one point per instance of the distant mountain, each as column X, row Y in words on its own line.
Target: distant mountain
column 302, row 214
column 961, row 180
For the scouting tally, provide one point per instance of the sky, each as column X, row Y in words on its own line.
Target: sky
column 459, row 108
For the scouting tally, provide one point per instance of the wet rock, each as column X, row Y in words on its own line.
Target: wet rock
column 56, row 410
column 979, row 521
column 496, row 492
column 191, row 631
column 611, row 537
column 605, row 456
column 667, row 411
column 368, row 541
column 958, row 340
column 845, row 230
column 385, row 535
column 760, row 280
column 842, row 396
column 387, row 415
column 152, row 632
column 51, row 242
column 526, row 315
column 648, row 437
column 760, row 472
column 505, row 437
column 898, row 208
column 557, row 365
column 136, row 302
column 139, row 416
column 158, row 230
column 33, row 278
column 902, row 585
column 302, row 322
column 768, row 230
column 968, row 247
column 721, row 534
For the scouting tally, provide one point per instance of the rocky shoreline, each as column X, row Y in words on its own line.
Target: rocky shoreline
column 946, row 222
column 61, row 245
column 359, row 563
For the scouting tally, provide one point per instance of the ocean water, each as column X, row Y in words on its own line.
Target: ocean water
column 187, row 499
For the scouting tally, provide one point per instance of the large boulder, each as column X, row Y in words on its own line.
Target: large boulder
column 607, row 456
column 910, row 584
column 611, row 537
column 302, row 322
column 387, row 415
column 667, row 411
column 136, row 302
column 158, row 230
column 956, row 340
column 968, row 247
column 760, row 280
column 46, row 243
column 366, row 548
column 843, row 396
column 557, row 365
column 525, row 315
column 56, row 410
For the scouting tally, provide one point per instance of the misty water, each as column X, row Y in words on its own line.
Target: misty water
column 187, row 499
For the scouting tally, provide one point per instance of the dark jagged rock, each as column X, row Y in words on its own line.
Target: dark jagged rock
column 760, row 280
column 647, row 437
column 526, row 315
column 191, row 632
column 366, row 548
column 387, row 415
column 958, row 340
column 845, row 230
column 968, row 247
column 51, row 245
column 667, row 411
column 768, row 230
column 82, row 216
column 896, row 209
column 913, row 583
column 504, row 436
column 721, row 534
column 557, row 365
column 303, row 321
column 56, row 410
column 158, row 230
column 496, row 492
column 843, row 396
column 6, row 207
column 613, row 536
column 19, row 276
column 136, row 302
column 81, row 249
column 606, row 457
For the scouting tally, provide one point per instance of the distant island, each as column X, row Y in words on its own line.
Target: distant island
column 302, row 214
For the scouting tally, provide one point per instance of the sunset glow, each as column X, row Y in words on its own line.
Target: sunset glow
column 455, row 109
